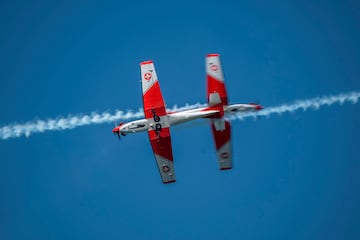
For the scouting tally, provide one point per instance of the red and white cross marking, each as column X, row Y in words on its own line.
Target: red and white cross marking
column 165, row 168
column 147, row 76
column 214, row 67
column 225, row 155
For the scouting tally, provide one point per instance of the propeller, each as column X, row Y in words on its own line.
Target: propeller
column 118, row 135
column 116, row 129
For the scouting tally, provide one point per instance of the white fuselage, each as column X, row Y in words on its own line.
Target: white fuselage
column 175, row 118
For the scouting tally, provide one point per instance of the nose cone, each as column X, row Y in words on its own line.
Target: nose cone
column 116, row 130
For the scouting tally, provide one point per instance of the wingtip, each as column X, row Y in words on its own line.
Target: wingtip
column 226, row 168
column 213, row 55
column 146, row 62
column 171, row 181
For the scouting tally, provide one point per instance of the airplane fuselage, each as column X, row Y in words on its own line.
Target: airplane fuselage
column 175, row 118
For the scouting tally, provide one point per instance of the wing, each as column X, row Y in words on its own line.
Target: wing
column 221, row 129
column 155, row 113
column 162, row 149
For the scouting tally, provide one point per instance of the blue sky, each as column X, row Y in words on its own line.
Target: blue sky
column 295, row 176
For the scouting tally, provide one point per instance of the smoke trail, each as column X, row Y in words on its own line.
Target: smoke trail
column 63, row 123
column 28, row 128
column 314, row 103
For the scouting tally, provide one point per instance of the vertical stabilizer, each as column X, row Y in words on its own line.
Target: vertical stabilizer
column 215, row 81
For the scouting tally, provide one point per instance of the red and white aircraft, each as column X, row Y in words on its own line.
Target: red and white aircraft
column 157, row 120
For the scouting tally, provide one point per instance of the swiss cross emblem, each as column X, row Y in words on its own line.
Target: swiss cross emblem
column 214, row 67
column 147, row 76
column 165, row 169
column 225, row 155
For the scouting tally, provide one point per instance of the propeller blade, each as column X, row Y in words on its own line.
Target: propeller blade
column 116, row 130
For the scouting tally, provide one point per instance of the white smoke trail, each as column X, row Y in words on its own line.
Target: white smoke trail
column 28, row 128
column 314, row 103
column 63, row 123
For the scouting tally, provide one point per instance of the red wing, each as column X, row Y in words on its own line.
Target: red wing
column 152, row 97
column 155, row 113
column 162, row 149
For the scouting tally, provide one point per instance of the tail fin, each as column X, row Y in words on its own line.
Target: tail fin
column 216, row 91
